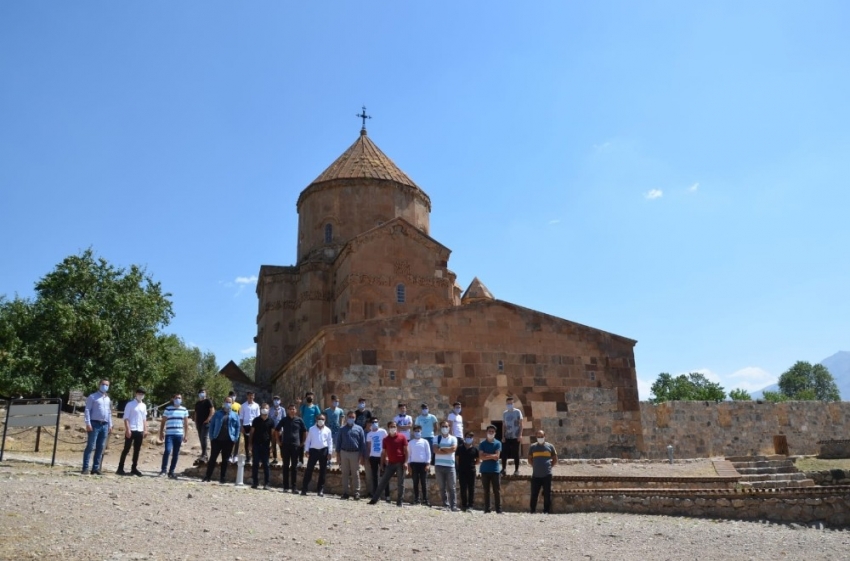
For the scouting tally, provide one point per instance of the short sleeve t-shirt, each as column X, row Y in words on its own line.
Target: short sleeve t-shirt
column 456, row 421
column 174, row 417
column 487, row 447
column 375, row 440
column 466, row 457
column 404, row 423
column 309, row 414
column 428, row 423
column 394, row 446
column 262, row 430
column 513, row 423
column 445, row 459
column 202, row 410
column 332, row 415
column 541, row 457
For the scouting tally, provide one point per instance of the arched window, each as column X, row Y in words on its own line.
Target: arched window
column 329, row 233
column 399, row 293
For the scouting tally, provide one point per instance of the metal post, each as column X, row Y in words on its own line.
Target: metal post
column 56, row 435
column 670, row 452
column 37, row 438
column 5, row 427
column 240, row 470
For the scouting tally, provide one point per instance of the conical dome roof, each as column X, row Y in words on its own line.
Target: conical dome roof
column 476, row 291
column 364, row 160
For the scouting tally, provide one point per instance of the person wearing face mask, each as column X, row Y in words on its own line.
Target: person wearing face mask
column 173, row 428
column 235, row 407
column 394, row 457
column 262, row 429
column 428, row 422
column 135, row 429
column 204, row 410
column 350, row 444
column 308, row 411
column 319, row 446
column 375, row 444
column 98, row 419
column 420, row 459
column 490, row 450
column 444, row 466
column 456, row 421
column 224, row 432
column 363, row 415
column 512, row 423
column 467, row 458
column 335, row 417
column 249, row 411
column 403, row 421
column 276, row 414
column 543, row 458
column 292, row 434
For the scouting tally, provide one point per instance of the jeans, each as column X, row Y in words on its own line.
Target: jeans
column 172, row 448
column 510, row 451
column 96, row 442
column 203, row 434
column 135, row 440
column 319, row 455
column 261, row 456
column 289, row 456
column 224, row 447
column 544, row 483
column 489, row 480
column 350, row 468
column 373, row 472
column 447, row 479
column 467, row 489
column 384, row 483
column 431, row 440
column 420, row 478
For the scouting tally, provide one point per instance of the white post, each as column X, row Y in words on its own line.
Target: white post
column 240, row 470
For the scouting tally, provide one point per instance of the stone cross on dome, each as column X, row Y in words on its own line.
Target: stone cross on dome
column 364, row 116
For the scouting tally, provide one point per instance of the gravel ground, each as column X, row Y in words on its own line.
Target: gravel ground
column 60, row 514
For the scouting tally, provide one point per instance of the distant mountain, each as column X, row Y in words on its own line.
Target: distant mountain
column 838, row 365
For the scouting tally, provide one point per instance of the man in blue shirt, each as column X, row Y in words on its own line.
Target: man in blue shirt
column 98, row 419
column 350, row 444
column 489, row 452
column 173, row 428
column 224, row 430
column 309, row 411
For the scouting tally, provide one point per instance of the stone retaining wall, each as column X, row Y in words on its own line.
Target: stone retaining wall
column 834, row 449
column 739, row 428
column 830, row 477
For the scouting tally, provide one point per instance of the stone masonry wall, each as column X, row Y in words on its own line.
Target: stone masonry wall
column 738, row 428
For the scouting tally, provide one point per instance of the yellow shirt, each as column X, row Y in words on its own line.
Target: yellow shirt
column 235, row 407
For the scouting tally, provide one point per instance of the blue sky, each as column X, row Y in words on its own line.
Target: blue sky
column 673, row 172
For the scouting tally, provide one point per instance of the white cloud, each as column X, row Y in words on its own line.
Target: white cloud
column 555, row 221
column 653, row 194
column 246, row 280
column 249, row 350
column 693, row 188
column 750, row 378
column 644, row 386
column 191, row 344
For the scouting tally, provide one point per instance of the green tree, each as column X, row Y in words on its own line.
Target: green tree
column 690, row 387
column 739, row 394
column 807, row 382
column 89, row 320
column 248, row 365
column 774, row 397
column 184, row 369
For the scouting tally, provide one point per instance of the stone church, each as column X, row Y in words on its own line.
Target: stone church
column 371, row 309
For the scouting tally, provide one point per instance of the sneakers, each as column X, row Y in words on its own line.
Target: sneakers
column 205, row 480
column 265, row 487
column 455, row 509
column 344, row 497
column 303, row 493
column 95, row 472
column 172, row 475
column 254, row 487
column 120, row 471
column 373, row 502
column 300, row 465
column 136, row 472
column 295, row 491
column 356, row 496
column 85, row 472
column 320, row 494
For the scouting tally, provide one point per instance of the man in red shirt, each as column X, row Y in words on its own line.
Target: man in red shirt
column 395, row 457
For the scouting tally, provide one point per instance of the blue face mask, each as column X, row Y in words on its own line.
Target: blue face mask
column 361, row 405
column 510, row 406
column 375, row 426
column 336, row 404
column 104, row 388
column 424, row 411
column 276, row 402
column 178, row 401
column 349, row 420
column 227, row 406
column 457, row 410
column 417, row 434
column 468, row 441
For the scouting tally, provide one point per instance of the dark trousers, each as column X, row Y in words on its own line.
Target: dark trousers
column 375, row 465
column 467, row 488
column 384, row 483
column 544, row 483
column 488, row 481
column 261, row 456
column 510, row 451
column 223, row 447
column 246, row 430
column 203, row 433
column 320, row 456
column 289, row 456
column 420, row 478
column 135, row 440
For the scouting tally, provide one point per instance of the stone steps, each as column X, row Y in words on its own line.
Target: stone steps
column 773, row 476
column 769, row 472
column 777, row 483
column 763, row 470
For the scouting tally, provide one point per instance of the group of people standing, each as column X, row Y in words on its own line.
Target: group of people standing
column 405, row 446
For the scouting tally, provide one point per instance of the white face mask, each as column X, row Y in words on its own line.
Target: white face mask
column 541, row 440
column 392, row 431
column 264, row 411
column 140, row 397
column 320, row 423
column 444, row 430
column 490, row 436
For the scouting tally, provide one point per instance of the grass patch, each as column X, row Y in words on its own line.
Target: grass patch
column 817, row 464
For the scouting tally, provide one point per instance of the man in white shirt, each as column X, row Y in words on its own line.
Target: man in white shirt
column 319, row 446
column 375, row 443
column 456, row 421
column 135, row 429
column 403, row 421
column 420, row 460
column 249, row 411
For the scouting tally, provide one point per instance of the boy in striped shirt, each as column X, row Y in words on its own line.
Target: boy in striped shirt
column 173, row 429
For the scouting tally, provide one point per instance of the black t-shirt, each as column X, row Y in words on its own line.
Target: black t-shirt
column 202, row 410
column 466, row 456
column 262, row 430
column 291, row 430
column 363, row 417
